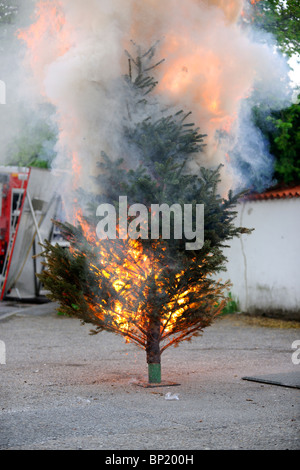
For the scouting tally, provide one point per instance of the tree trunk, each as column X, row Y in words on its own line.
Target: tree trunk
column 153, row 352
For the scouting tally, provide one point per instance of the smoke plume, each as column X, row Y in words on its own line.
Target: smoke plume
column 215, row 66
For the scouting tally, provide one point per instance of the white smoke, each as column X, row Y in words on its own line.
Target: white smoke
column 214, row 67
column 25, row 112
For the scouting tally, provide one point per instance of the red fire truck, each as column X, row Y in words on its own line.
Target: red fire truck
column 13, row 184
column 29, row 201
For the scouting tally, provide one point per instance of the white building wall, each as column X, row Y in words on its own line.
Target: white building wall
column 264, row 267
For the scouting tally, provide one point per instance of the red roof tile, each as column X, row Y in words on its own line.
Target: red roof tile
column 280, row 193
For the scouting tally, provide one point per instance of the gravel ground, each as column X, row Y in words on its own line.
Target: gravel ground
column 62, row 389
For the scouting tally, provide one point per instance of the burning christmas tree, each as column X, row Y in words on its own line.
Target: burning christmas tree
column 132, row 279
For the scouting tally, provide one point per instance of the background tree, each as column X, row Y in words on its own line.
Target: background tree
column 153, row 292
column 282, row 129
column 34, row 146
column 280, row 18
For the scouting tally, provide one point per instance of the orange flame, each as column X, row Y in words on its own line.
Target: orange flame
column 128, row 268
column 46, row 37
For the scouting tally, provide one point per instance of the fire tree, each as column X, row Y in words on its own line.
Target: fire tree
column 153, row 292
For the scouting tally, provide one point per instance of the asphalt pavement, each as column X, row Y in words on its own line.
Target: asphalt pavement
column 63, row 389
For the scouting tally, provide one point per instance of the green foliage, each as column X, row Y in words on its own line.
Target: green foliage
column 280, row 18
column 282, row 129
column 33, row 147
column 232, row 305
